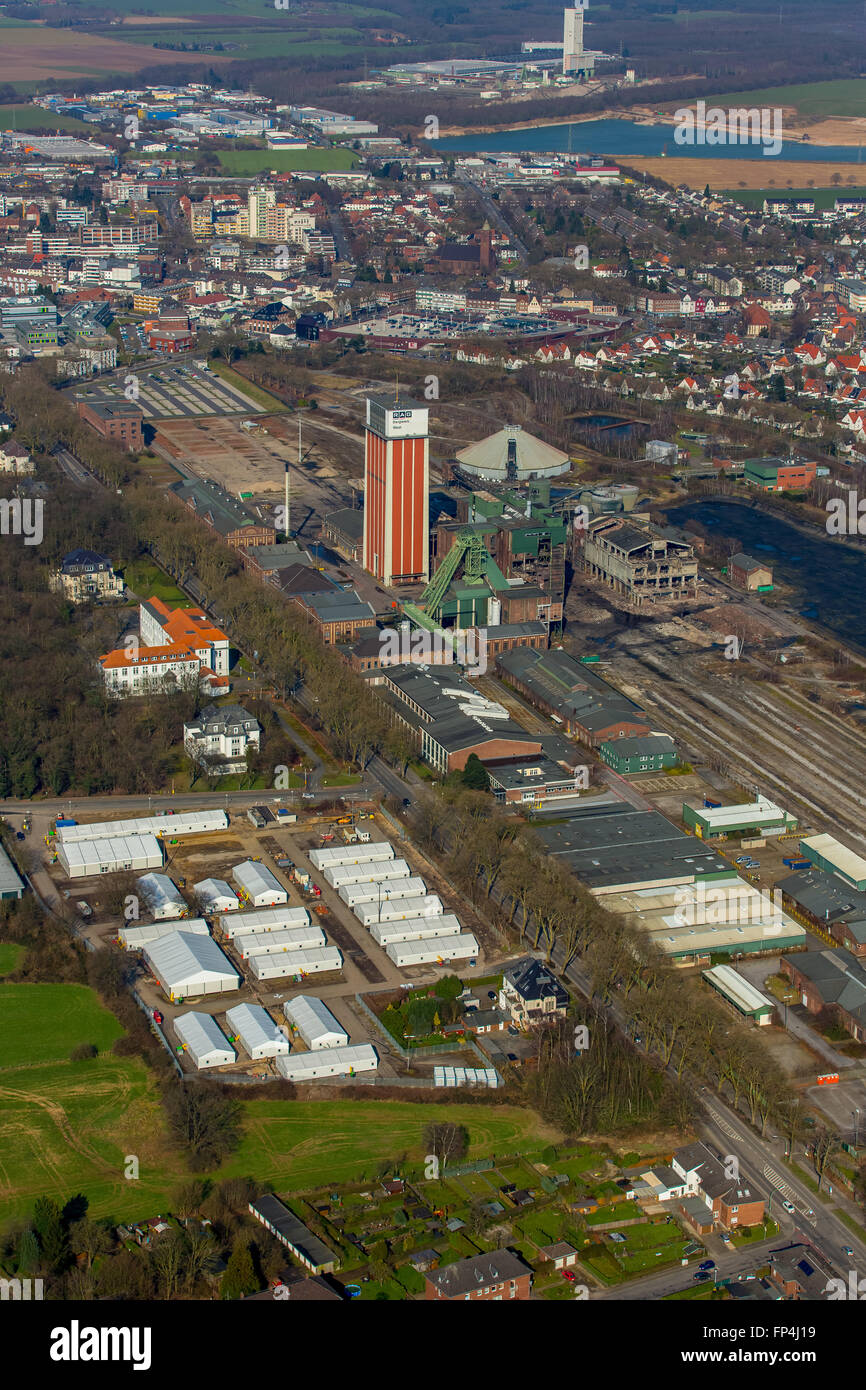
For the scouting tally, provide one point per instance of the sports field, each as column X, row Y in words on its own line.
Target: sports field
column 824, row 197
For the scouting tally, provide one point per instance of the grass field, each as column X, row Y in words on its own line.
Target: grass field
column 319, row 160
column 10, row 957
column 272, row 404
column 824, row 197
column 35, row 118
column 844, row 97
column 147, row 580
column 42, row 1023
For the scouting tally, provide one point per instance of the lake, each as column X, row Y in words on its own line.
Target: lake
column 828, row 578
column 623, row 138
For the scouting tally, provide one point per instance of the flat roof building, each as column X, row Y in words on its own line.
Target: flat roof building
column 109, row 855
column 761, row 817
column 830, row 854
column 291, row 1232
column 612, row 847
column 747, row 1000
column 328, row 1061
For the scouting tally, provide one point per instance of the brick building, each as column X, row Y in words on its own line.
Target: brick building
column 496, row 1277
column 121, row 421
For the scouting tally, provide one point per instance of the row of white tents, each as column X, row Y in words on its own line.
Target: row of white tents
column 251, row 1027
column 409, row 923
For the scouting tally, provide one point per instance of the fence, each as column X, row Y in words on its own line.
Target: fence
column 434, row 1050
column 146, row 1010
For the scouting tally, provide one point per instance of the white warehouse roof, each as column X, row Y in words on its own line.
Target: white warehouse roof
column 258, row 884
column 398, row 909
column 314, row 1022
column 215, row 895
column 379, row 872
column 107, row 856
column 187, row 823
column 415, row 929
column 355, row 893
column 187, row 965
column 257, row 1031
column 133, row 936
column 268, row 919
column 328, row 1061
column 312, row 962
column 269, row 943
column 432, row 950
column 162, row 896
column 332, row 855
column 204, row 1040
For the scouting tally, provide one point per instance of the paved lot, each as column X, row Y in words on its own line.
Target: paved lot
column 175, row 392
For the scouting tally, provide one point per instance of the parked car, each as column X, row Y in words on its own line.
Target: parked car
column 707, row 1264
column 85, row 909
column 567, row 1274
column 701, row 1275
column 789, row 1207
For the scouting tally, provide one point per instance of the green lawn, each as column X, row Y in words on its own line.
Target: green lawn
column 43, row 1023
column 824, row 197
column 300, row 1145
column 844, row 97
column 146, row 579
column 10, row 957
column 36, row 118
column 317, row 160
column 272, row 404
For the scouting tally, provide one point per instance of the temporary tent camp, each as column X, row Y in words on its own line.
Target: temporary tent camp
column 163, row 899
column 330, row 1061
column 133, row 936
column 333, row 855
column 215, row 895
column 269, row 919
column 314, row 1023
column 257, row 1031
column 204, row 1041
column 187, row 965
column 257, row 885
column 398, row 909
column 301, row 963
column 268, row 943
column 432, row 950
column 110, row 855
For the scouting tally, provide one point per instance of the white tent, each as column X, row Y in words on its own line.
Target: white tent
column 215, row 895
column 133, row 936
column 433, row 950
column 328, row 1061
column 185, row 823
column 465, row 1076
column 258, row 886
column 333, row 855
column 204, row 1041
column 300, row 963
column 314, row 1023
column 268, row 943
column 256, row 1030
column 398, row 909
column 110, row 856
column 415, row 929
column 187, row 965
column 163, row 898
column 268, row 919
column 355, row 893
column 381, row 872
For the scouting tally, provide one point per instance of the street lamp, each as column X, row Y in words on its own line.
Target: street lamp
column 856, row 1125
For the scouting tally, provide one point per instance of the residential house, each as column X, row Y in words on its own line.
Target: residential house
column 84, row 575
column 531, row 994
column 220, row 737
column 497, row 1277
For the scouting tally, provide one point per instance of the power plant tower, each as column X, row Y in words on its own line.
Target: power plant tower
column 572, row 39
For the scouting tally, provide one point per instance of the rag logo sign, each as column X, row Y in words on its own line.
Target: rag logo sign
column 738, row 125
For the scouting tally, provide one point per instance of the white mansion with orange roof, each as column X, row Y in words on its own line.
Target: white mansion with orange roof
column 175, row 648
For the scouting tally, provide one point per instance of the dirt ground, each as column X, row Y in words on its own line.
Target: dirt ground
column 34, row 54
column 239, row 460
column 748, row 173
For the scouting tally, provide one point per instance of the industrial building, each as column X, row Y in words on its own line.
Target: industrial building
column 761, row 817
column 162, row 897
column 741, row 995
column 267, row 920
column 745, row 572
column 293, row 1234
column 448, row 718
column 186, row 965
column 638, row 562
column 254, row 1028
column 171, row 823
column 830, row 903
column 318, row 960
column 328, row 1061
column 215, row 895
column 109, row 855
column 511, row 455
column 270, row 942
column 396, row 490
column 581, row 701
column 133, row 937
column 314, row 1023
column 829, row 854
column 257, row 886
column 434, row 950
column 645, row 753
column 834, row 980
column 204, row 1041
column 613, row 847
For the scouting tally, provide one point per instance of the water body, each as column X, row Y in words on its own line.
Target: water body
column 623, row 138
column 827, row 576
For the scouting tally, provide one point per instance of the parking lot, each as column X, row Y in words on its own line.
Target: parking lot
column 174, row 391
